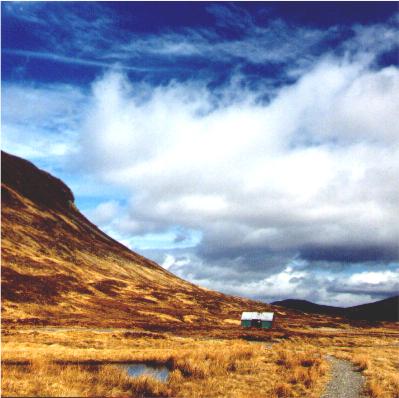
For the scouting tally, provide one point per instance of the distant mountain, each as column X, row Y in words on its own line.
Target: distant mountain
column 309, row 307
column 383, row 310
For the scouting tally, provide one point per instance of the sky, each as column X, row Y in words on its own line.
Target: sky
column 250, row 148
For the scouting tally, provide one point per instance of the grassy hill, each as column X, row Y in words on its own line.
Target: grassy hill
column 60, row 269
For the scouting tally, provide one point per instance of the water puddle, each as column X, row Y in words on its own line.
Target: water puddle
column 133, row 369
column 160, row 372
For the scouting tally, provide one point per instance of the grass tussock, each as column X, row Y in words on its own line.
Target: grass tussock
column 283, row 390
column 301, row 365
column 202, row 363
column 382, row 384
column 362, row 362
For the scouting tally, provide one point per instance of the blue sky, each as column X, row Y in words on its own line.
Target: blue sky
column 251, row 148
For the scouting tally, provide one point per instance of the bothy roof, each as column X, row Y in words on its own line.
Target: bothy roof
column 263, row 316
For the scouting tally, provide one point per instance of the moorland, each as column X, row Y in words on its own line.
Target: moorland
column 76, row 305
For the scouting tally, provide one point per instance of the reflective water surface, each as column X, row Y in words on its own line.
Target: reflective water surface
column 160, row 373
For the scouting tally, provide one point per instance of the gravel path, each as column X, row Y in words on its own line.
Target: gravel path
column 345, row 381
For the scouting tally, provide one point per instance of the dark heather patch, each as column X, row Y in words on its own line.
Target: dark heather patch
column 109, row 286
column 45, row 289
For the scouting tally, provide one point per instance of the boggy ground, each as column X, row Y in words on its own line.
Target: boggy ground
column 53, row 362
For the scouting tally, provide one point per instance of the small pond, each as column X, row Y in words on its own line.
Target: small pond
column 133, row 369
column 159, row 372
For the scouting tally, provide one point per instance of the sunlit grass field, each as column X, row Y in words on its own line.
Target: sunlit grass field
column 67, row 362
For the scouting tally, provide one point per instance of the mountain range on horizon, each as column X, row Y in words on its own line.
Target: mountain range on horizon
column 59, row 269
column 381, row 310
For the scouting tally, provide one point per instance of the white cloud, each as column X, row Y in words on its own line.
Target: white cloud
column 104, row 213
column 338, row 287
column 365, row 110
column 373, row 278
column 369, row 39
column 41, row 121
column 312, row 168
column 170, row 261
column 244, row 184
column 332, row 285
column 375, row 284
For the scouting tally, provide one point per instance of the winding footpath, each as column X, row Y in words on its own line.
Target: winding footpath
column 345, row 381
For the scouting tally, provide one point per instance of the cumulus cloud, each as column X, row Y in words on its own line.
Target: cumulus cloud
column 311, row 170
column 381, row 283
column 104, row 213
column 339, row 286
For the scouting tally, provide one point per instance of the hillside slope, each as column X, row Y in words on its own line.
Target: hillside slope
column 60, row 269
column 382, row 310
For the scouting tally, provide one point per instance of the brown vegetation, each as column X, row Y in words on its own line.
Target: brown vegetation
column 294, row 367
column 84, row 363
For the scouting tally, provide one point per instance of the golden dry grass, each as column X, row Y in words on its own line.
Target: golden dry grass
column 199, row 367
column 301, row 364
